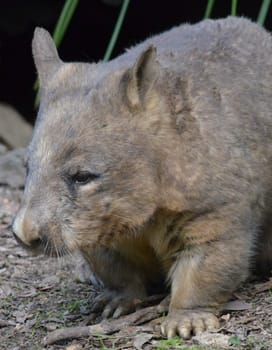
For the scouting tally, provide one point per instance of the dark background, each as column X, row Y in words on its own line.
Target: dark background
column 88, row 34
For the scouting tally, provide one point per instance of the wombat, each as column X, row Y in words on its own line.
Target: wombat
column 157, row 167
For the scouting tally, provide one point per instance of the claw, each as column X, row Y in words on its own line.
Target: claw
column 118, row 312
column 115, row 304
column 186, row 323
column 108, row 311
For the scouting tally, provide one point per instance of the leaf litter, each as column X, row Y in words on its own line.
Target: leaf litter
column 40, row 296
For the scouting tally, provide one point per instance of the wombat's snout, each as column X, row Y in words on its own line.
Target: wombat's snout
column 25, row 231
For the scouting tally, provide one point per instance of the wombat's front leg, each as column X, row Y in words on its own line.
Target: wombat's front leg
column 124, row 283
column 214, row 261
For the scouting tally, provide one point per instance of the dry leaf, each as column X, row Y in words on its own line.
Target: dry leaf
column 141, row 339
column 237, row 305
column 225, row 317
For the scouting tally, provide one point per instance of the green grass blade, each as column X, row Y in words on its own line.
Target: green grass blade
column 60, row 29
column 234, row 4
column 64, row 20
column 263, row 11
column 209, row 8
column 116, row 30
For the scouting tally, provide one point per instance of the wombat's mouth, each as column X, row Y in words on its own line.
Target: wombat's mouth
column 43, row 247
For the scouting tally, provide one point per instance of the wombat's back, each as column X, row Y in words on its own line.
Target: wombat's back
column 238, row 35
column 225, row 69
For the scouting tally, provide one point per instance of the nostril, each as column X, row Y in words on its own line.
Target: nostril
column 25, row 230
column 18, row 239
column 35, row 243
column 31, row 244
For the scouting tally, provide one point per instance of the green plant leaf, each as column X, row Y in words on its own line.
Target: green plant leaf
column 60, row 29
column 234, row 4
column 209, row 8
column 116, row 30
column 64, row 20
column 234, row 340
column 263, row 11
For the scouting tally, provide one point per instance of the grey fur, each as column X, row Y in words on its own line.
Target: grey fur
column 177, row 135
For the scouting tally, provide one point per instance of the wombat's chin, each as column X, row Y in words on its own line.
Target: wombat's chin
column 42, row 247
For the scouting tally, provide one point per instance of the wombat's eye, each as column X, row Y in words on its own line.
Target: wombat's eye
column 83, row 177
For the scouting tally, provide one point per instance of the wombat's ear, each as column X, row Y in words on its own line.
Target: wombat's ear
column 45, row 54
column 141, row 77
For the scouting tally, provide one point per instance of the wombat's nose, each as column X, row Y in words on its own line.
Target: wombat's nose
column 25, row 231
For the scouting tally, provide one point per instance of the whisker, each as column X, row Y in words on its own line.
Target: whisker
column 45, row 244
column 123, row 217
column 56, row 250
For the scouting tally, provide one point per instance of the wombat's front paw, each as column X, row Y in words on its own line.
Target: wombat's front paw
column 186, row 323
column 114, row 304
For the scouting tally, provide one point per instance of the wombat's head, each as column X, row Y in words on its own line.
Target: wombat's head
column 93, row 169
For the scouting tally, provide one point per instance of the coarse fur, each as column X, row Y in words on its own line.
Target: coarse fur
column 156, row 166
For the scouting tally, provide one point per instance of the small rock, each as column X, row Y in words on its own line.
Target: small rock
column 51, row 327
column 14, row 130
column 213, row 340
column 12, row 168
column 3, row 149
column 74, row 347
column 20, row 316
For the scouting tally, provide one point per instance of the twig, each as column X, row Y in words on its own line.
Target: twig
column 4, row 323
column 106, row 327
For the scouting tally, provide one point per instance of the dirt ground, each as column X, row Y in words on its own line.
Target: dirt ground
column 39, row 295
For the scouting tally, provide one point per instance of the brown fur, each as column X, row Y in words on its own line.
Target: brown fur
column 177, row 134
